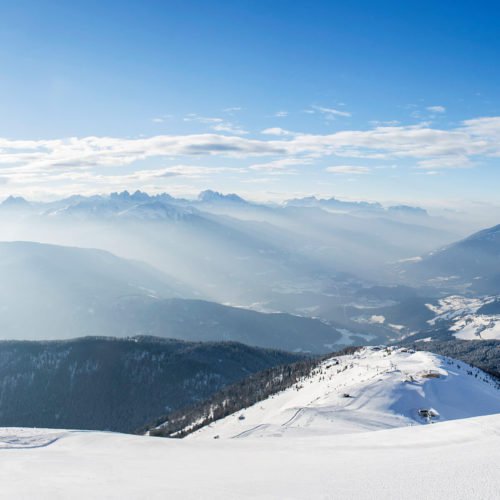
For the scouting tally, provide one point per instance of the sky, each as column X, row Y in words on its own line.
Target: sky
column 387, row 101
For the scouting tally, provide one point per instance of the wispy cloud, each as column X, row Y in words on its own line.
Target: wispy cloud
column 193, row 117
column 281, row 114
column 233, row 109
column 191, row 171
column 280, row 164
column 230, row 128
column 217, row 124
column 390, row 123
column 453, row 161
column 330, row 113
column 348, row 170
column 436, row 109
column 161, row 119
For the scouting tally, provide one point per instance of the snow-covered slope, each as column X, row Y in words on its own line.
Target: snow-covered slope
column 373, row 389
column 465, row 317
column 454, row 460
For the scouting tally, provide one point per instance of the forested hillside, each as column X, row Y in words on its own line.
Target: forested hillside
column 117, row 384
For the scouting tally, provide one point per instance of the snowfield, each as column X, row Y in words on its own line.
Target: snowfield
column 452, row 460
column 373, row 389
column 312, row 441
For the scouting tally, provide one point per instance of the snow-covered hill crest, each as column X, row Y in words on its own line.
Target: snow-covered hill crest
column 372, row 389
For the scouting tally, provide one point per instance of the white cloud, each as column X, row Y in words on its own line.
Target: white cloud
column 229, row 127
column 281, row 114
column 431, row 172
column 486, row 127
column 188, row 171
column 193, row 117
column 77, row 160
column 436, row 109
column 330, row 113
column 280, row 164
column 446, row 162
column 276, row 131
column 389, row 123
column 348, row 170
column 161, row 118
column 217, row 124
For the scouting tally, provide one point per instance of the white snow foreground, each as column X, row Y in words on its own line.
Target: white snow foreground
column 373, row 389
column 452, row 460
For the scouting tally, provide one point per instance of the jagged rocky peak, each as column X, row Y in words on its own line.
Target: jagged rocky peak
column 209, row 196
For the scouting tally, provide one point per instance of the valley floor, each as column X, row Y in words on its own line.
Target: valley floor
column 456, row 459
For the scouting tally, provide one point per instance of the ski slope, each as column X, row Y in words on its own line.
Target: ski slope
column 373, row 389
column 452, row 460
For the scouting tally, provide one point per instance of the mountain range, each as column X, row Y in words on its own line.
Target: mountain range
column 337, row 273
column 54, row 292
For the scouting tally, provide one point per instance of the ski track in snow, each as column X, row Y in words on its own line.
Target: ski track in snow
column 22, row 438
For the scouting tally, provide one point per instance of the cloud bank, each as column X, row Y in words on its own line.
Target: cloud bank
column 468, row 144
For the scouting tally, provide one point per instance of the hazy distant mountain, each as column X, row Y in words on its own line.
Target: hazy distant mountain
column 198, row 320
column 355, row 206
column 49, row 291
column 210, row 196
column 15, row 203
column 471, row 264
column 296, row 259
column 53, row 292
column 28, row 267
column 112, row 384
column 155, row 210
column 407, row 210
column 123, row 205
column 334, row 203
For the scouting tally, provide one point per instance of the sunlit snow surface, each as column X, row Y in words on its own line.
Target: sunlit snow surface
column 306, row 442
column 453, row 460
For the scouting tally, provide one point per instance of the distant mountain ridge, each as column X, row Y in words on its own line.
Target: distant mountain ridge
column 301, row 260
column 123, row 200
column 356, row 206
column 54, row 292
column 472, row 263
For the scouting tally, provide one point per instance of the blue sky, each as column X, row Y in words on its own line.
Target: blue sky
column 393, row 101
